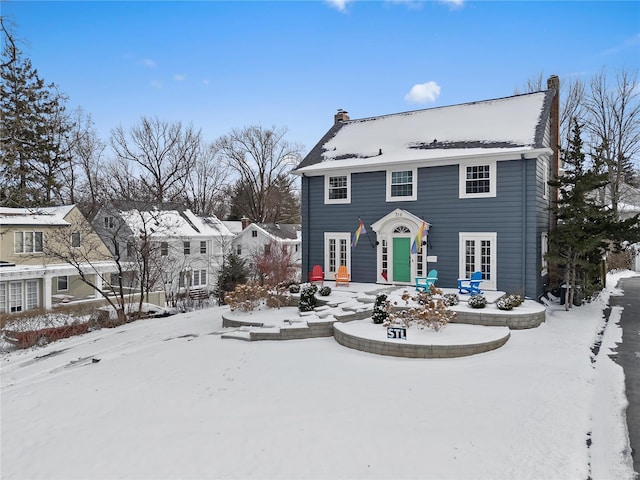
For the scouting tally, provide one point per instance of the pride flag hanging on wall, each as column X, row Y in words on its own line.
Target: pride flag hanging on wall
column 416, row 246
column 356, row 235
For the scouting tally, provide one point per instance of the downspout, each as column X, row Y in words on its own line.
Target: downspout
column 523, row 256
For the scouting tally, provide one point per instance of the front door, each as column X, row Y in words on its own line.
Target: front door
column 401, row 260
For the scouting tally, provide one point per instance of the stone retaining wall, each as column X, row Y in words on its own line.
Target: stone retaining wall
column 395, row 349
column 515, row 321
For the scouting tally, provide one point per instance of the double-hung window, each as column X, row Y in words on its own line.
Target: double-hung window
column 164, row 249
column 186, row 248
column 337, row 188
column 28, row 242
column 478, row 179
column 203, row 247
column 402, row 185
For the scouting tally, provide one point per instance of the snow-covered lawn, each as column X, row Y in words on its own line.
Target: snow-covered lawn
column 168, row 398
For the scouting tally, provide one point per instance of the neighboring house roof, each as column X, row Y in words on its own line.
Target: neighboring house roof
column 173, row 223
column 510, row 125
column 234, row 226
column 284, row 231
column 36, row 216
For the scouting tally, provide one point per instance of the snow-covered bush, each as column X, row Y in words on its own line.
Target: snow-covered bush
column 430, row 313
column 380, row 309
column 477, row 301
column 505, row 303
column 325, row 291
column 515, row 299
column 308, row 300
column 294, row 288
column 450, row 299
column 246, row 297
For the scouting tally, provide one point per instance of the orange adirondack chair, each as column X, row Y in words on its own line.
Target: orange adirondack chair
column 316, row 275
column 342, row 276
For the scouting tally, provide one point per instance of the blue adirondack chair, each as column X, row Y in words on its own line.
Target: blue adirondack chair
column 424, row 283
column 470, row 285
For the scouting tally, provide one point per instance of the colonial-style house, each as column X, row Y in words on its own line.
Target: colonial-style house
column 43, row 250
column 258, row 238
column 183, row 252
column 458, row 189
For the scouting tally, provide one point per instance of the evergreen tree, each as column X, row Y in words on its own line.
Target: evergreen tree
column 585, row 225
column 233, row 272
column 32, row 133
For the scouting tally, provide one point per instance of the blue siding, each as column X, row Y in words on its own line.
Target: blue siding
column 516, row 214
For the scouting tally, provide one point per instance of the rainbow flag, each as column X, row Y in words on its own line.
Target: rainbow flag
column 356, row 235
column 416, row 246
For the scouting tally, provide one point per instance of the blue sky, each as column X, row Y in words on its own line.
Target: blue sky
column 222, row 65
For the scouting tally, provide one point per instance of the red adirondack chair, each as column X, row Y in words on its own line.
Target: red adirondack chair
column 316, row 275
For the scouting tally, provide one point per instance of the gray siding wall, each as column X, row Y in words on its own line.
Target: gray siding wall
column 516, row 214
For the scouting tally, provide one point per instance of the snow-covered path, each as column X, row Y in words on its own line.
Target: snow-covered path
column 169, row 398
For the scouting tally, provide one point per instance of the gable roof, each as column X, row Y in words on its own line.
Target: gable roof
column 36, row 216
column 285, row 231
column 513, row 125
column 162, row 222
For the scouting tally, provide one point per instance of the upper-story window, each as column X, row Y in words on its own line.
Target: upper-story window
column 164, row 249
column 337, row 188
column 254, row 233
column 401, row 185
column 109, row 222
column 478, row 180
column 186, row 248
column 239, row 249
column 75, row 239
column 28, row 242
column 203, row 247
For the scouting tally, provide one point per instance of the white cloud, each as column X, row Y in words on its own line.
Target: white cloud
column 156, row 84
column 340, row 5
column 178, row 77
column 453, row 3
column 147, row 62
column 423, row 93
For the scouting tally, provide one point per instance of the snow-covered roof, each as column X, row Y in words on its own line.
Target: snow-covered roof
column 506, row 125
column 234, row 226
column 174, row 223
column 36, row 216
column 284, row 231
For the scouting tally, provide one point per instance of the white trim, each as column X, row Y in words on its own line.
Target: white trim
column 414, row 185
column 330, row 201
column 462, row 178
column 58, row 283
column 333, row 167
column 491, row 283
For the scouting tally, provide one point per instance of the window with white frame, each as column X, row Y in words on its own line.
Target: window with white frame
column 75, row 239
column 186, row 248
column 254, row 234
column 15, row 296
column 478, row 253
column 239, row 249
column 3, row 296
column 63, row 283
column 337, row 188
column 28, row 242
column 336, row 251
column 164, row 249
column 402, row 185
column 478, row 179
column 32, row 294
column 199, row 278
column 203, row 247
column 109, row 222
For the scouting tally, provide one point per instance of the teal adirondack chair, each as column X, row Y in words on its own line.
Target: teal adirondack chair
column 424, row 283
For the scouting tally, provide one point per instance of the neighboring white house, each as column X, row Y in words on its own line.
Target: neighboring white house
column 259, row 238
column 187, row 249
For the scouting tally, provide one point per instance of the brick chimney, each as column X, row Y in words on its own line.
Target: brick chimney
column 341, row 116
column 245, row 222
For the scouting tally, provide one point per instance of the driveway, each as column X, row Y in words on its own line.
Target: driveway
column 629, row 357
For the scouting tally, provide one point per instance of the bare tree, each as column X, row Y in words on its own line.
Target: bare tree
column 613, row 125
column 204, row 186
column 164, row 152
column 260, row 157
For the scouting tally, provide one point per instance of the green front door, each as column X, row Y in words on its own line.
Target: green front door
column 401, row 260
